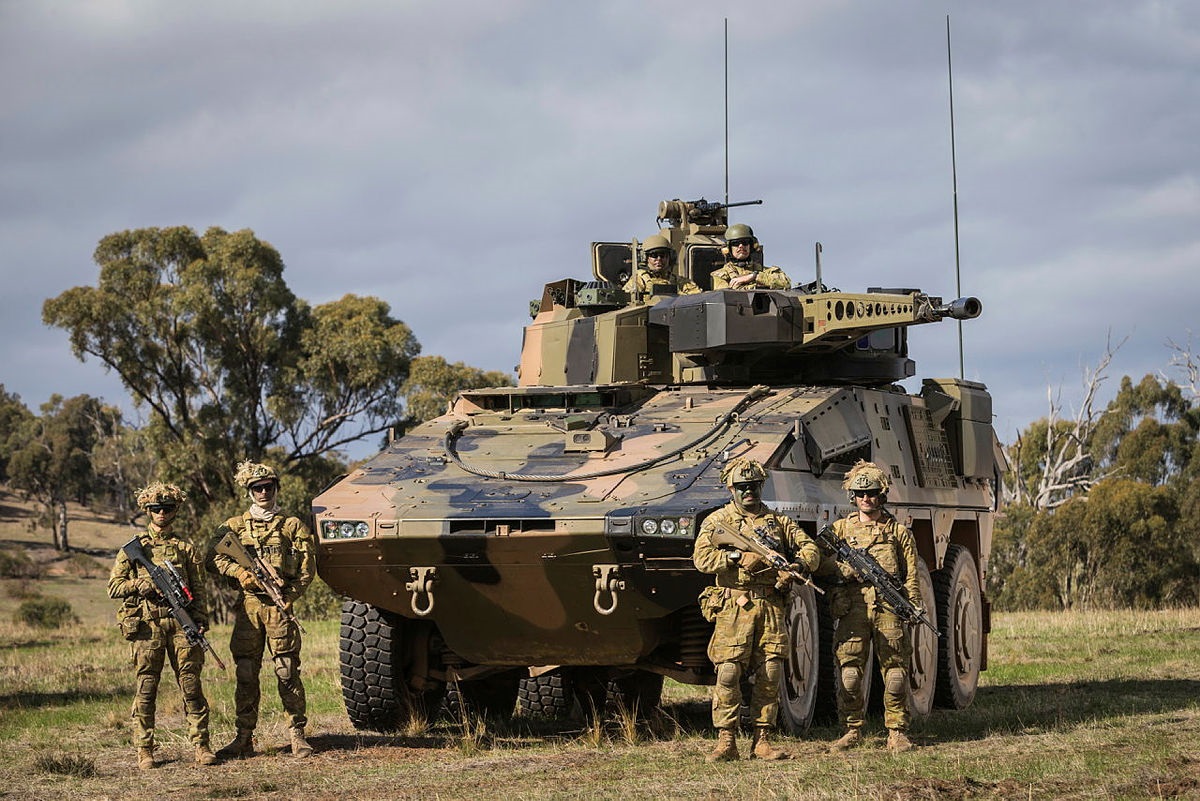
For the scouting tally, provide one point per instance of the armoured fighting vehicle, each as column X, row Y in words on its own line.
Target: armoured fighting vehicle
column 532, row 547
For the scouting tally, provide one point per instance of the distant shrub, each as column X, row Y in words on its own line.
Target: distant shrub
column 66, row 765
column 319, row 602
column 45, row 613
column 17, row 564
column 82, row 566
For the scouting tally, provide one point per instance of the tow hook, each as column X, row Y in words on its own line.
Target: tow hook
column 423, row 579
column 608, row 581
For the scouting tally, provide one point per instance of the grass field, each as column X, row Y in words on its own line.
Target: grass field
column 1078, row 705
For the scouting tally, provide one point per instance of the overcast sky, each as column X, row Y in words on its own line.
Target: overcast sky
column 452, row 157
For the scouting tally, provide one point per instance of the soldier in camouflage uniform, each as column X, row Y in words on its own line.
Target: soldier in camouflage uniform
column 742, row 271
column 155, row 635
column 657, row 275
column 284, row 543
column 861, row 618
column 748, row 606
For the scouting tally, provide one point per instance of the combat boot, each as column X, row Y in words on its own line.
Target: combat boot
column 146, row 758
column 761, row 748
column 851, row 738
column 726, row 750
column 240, row 747
column 898, row 742
column 204, row 755
column 300, row 746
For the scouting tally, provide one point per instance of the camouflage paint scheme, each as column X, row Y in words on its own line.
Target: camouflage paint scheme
column 510, row 532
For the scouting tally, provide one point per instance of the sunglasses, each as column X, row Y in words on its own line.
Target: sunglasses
column 866, row 493
column 747, row 486
column 741, row 243
column 658, row 254
column 166, row 508
column 264, row 487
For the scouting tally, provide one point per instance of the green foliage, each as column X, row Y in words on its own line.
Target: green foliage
column 433, row 383
column 45, row 613
column 14, row 427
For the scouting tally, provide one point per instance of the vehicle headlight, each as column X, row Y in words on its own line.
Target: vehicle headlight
column 344, row 529
column 649, row 526
column 673, row 526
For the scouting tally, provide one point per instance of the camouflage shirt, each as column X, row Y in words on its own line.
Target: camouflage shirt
column 283, row 542
column 160, row 547
column 644, row 282
column 889, row 543
column 708, row 558
column 768, row 277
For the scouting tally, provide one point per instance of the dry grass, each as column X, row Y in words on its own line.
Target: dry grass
column 1077, row 706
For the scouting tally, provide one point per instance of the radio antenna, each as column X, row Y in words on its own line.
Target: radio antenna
column 727, row 111
column 954, row 175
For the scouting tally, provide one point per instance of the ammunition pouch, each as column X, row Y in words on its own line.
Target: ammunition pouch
column 129, row 619
column 712, row 601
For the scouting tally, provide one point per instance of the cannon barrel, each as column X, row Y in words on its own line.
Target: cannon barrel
column 967, row 308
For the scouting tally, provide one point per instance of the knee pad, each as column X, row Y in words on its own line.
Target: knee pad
column 729, row 675
column 851, row 679
column 895, row 681
column 286, row 667
column 772, row 671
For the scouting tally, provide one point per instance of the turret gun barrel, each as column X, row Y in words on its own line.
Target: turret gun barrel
column 967, row 308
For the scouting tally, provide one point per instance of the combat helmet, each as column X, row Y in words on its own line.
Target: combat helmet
column 252, row 472
column 655, row 242
column 740, row 231
column 865, row 475
column 741, row 470
column 158, row 492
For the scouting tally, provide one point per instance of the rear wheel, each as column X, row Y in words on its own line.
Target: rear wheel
column 800, row 685
column 923, row 667
column 376, row 651
column 960, row 612
column 550, row 695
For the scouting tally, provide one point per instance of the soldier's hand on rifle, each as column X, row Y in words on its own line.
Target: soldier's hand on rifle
column 248, row 581
column 752, row 562
column 847, row 571
column 145, row 588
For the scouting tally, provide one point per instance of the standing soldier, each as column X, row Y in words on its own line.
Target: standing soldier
column 747, row 605
column 741, row 271
column 286, row 545
column 861, row 618
column 147, row 622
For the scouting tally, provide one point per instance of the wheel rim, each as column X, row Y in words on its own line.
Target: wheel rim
column 923, row 666
column 967, row 625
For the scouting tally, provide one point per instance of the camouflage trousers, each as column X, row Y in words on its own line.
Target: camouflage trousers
column 164, row 641
column 856, row 631
column 258, row 625
column 749, row 639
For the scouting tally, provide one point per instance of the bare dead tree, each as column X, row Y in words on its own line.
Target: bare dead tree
column 1067, row 465
column 1187, row 363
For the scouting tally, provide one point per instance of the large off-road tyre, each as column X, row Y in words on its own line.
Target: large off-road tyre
column 923, row 667
column 373, row 646
column 550, row 696
column 493, row 696
column 825, row 706
column 800, row 684
column 960, row 617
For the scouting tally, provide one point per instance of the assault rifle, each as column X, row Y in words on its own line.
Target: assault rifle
column 763, row 543
column 175, row 592
column 870, row 571
column 267, row 577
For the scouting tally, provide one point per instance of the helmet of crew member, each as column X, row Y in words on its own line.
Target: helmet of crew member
column 865, row 476
column 738, row 232
column 656, row 243
column 252, row 472
column 158, row 492
column 741, row 470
